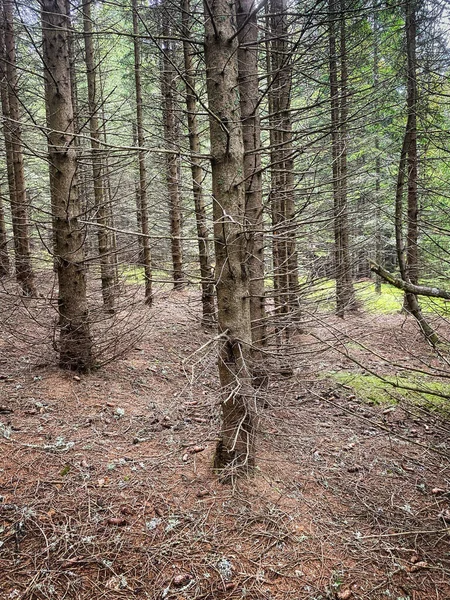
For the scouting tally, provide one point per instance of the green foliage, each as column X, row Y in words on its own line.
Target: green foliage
column 389, row 390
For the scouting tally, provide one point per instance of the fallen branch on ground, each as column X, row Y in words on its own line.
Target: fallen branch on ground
column 406, row 286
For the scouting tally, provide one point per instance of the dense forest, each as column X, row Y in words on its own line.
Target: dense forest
column 224, row 277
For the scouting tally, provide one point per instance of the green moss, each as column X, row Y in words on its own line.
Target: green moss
column 421, row 389
column 134, row 274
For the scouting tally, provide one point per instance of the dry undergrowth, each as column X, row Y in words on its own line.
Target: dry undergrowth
column 107, row 490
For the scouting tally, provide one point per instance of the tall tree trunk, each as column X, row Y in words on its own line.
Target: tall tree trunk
column 282, row 168
column 378, row 229
column 339, row 113
column 168, row 90
column 112, row 240
column 235, row 451
column 206, row 272
column 412, row 257
column 349, row 293
column 137, row 193
column 251, row 131
column 105, row 249
column 14, row 155
column 4, row 257
column 141, row 157
column 408, row 260
column 75, row 345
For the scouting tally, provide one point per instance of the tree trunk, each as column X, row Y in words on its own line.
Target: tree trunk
column 4, row 257
column 282, row 169
column 236, row 449
column 75, row 343
column 107, row 256
column 412, row 258
column 14, row 154
column 168, row 90
column 378, row 227
column 137, row 194
column 345, row 299
column 251, row 131
column 206, row 272
column 141, row 157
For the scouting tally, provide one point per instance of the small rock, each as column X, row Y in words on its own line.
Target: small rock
column 225, row 568
column 181, row 579
column 76, row 378
column 185, row 457
column 118, row 521
column 196, row 449
column 422, row 564
column 344, row 594
column 126, row 510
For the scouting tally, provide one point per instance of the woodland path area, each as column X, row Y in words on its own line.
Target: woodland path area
column 107, row 490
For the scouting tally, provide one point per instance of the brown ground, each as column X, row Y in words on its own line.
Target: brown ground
column 107, row 490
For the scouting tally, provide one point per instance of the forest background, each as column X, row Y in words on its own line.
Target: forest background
column 274, row 174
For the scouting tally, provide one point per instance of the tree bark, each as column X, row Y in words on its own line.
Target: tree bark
column 412, row 255
column 141, row 157
column 378, row 226
column 345, row 299
column 4, row 257
column 168, row 83
column 14, row 155
column 407, row 286
column 282, row 169
column 102, row 209
column 75, row 344
column 251, row 131
column 206, row 272
column 235, row 451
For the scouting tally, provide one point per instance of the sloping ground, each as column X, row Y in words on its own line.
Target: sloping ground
column 107, row 490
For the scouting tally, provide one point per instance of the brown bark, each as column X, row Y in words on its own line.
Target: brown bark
column 107, row 190
column 14, row 154
column 251, row 132
column 143, row 204
column 408, row 261
column 236, row 449
column 168, row 90
column 345, row 298
column 4, row 257
column 407, row 286
column 75, row 345
column 378, row 229
column 282, row 169
column 137, row 192
column 206, row 272
column 102, row 209
column 412, row 258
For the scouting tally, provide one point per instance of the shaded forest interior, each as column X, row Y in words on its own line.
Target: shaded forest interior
column 224, row 286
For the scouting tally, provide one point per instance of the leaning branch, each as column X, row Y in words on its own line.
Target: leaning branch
column 406, row 286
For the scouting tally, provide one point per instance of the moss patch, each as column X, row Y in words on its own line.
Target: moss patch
column 420, row 390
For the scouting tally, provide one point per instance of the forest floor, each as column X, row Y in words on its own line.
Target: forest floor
column 107, row 489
